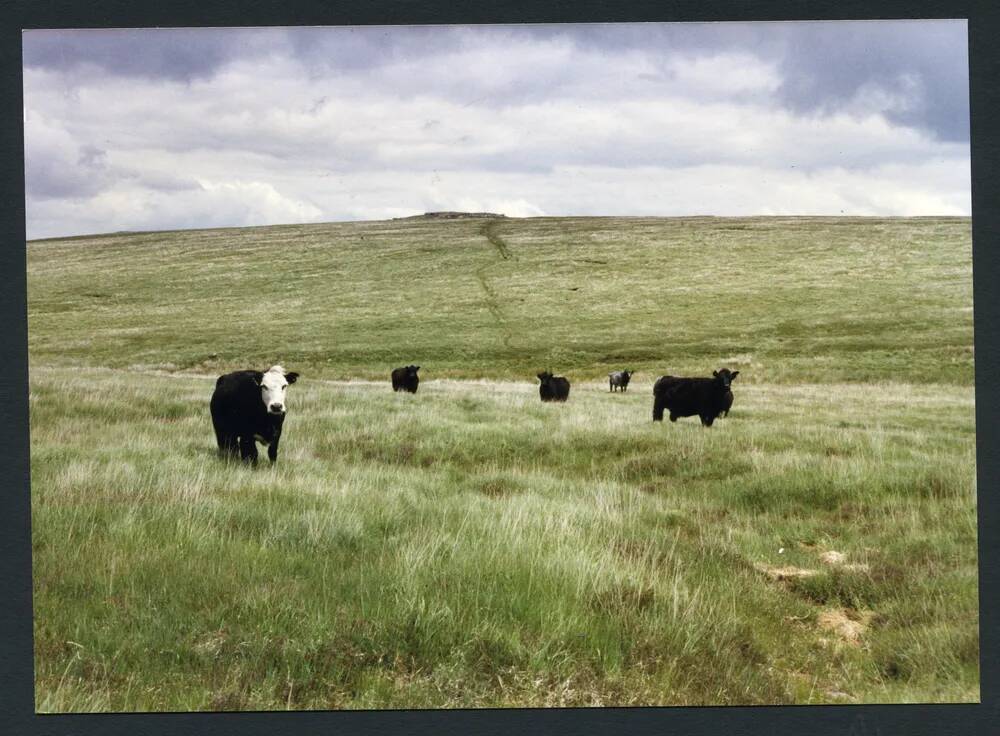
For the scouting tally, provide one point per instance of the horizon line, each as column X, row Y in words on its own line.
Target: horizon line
column 462, row 216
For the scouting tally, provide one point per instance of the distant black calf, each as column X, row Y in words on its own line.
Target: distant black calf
column 553, row 388
column 619, row 380
column 406, row 379
column 685, row 397
column 249, row 407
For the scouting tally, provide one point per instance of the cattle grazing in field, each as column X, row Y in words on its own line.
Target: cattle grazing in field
column 619, row 380
column 406, row 379
column 553, row 388
column 706, row 398
column 249, row 407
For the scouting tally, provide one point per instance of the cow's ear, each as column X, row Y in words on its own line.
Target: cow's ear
column 733, row 375
column 292, row 377
column 258, row 376
column 715, row 373
column 416, row 368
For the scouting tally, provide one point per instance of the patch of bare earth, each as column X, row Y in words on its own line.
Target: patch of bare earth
column 788, row 572
column 833, row 558
column 848, row 625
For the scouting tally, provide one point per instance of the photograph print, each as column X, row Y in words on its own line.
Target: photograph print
column 501, row 366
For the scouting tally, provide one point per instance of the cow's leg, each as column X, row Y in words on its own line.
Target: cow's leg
column 231, row 447
column 228, row 446
column 272, row 451
column 707, row 419
column 673, row 417
column 658, row 407
column 225, row 441
column 248, row 450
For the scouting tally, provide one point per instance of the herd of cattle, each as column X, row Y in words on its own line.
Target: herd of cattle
column 249, row 406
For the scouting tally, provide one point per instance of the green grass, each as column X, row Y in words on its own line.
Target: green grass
column 469, row 546
column 791, row 299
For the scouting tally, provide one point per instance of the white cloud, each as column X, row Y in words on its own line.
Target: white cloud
column 724, row 74
column 506, row 123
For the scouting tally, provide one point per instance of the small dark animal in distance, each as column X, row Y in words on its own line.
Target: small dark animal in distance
column 707, row 398
column 553, row 388
column 249, row 407
column 619, row 380
column 406, row 379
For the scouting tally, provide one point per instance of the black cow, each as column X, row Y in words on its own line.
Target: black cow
column 406, row 379
column 685, row 397
column 553, row 388
column 249, row 407
column 619, row 380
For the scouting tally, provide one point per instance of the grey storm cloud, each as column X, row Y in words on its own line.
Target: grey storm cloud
column 177, row 54
column 151, row 128
column 50, row 177
column 825, row 67
column 823, row 64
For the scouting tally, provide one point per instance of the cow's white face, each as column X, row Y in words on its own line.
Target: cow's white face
column 272, row 388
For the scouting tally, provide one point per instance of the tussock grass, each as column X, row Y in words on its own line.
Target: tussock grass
column 470, row 546
column 480, row 548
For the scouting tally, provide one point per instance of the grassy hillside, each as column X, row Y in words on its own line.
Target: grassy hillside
column 469, row 546
column 790, row 299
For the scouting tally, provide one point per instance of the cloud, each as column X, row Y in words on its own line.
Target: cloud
column 257, row 126
column 57, row 165
column 822, row 64
column 921, row 66
column 211, row 204
column 900, row 189
column 176, row 54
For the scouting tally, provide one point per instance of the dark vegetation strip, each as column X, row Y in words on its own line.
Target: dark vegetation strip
column 489, row 229
column 492, row 302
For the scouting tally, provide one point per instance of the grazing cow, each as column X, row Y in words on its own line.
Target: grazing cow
column 249, row 407
column 620, row 379
column 406, row 379
column 685, row 397
column 553, row 388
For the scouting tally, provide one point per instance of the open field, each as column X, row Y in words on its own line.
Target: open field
column 790, row 299
column 470, row 546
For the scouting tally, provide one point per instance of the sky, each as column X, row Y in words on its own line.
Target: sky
column 154, row 129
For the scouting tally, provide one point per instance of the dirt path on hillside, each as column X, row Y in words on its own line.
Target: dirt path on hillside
column 488, row 230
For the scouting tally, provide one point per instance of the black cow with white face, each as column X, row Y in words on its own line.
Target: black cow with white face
column 553, row 388
column 249, row 407
column 706, row 398
column 406, row 379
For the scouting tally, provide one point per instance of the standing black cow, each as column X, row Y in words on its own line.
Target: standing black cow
column 249, row 407
column 553, row 388
column 685, row 397
column 619, row 380
column 406, row 379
